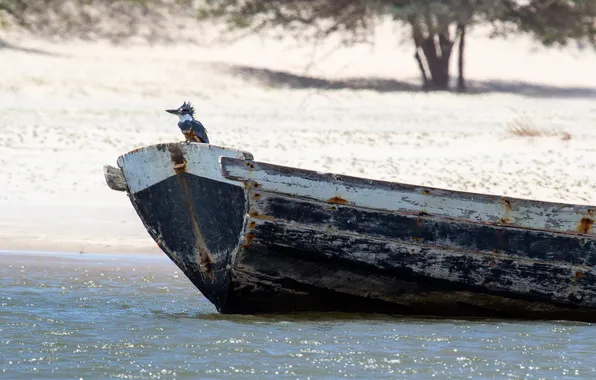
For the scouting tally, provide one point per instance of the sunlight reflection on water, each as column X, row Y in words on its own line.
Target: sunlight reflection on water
column 138, row 317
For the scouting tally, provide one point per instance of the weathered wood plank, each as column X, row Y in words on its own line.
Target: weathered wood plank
column 425, row 229
column 324, row 286
column 114, row 178
column 396, row 197
column 473, row 271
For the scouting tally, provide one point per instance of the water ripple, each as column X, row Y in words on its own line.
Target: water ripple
column 135, row 319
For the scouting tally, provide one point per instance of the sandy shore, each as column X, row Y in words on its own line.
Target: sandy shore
column 66, row 109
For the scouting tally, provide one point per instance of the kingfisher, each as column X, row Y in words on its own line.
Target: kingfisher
column 192, row 129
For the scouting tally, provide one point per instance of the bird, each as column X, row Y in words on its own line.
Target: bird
column 192, row 129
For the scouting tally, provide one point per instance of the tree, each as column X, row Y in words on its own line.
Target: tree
column 436, row 25
column 116, row 20
column 15, row 8
column 551, row 22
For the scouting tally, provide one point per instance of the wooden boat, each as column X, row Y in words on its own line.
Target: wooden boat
column 255, row 237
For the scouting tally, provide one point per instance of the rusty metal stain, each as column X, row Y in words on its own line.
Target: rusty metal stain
column 177, row 158
column 507, row 204
column 180, row 168
column 248, row 238
column 252, row 224
column 251, row 185
column 256, row 215
column 579, row 275
column 585, row 225
column 332, row 208
column 250, row 165
column 507, row 218
column 206, row 262
column 337, row 200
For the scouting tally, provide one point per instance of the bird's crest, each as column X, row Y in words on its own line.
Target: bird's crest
column 187, row 108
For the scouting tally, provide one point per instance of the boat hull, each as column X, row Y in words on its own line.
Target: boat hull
column 255, row 237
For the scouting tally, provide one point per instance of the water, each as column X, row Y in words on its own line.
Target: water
column 66, row 316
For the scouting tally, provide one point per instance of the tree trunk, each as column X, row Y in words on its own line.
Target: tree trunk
column 437, row 59
column 433, row 50
column 461, row 82
column 425, row 80
column 439, row 68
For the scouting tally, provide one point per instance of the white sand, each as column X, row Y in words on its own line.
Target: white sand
column 69, row 108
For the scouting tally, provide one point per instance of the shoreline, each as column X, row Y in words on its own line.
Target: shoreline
column 20, row 244
column 6, row 253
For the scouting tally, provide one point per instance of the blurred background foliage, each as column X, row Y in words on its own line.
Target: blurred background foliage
column 437, row 28
column 115, row 20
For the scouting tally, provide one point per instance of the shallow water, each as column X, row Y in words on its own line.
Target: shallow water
column 67, row 316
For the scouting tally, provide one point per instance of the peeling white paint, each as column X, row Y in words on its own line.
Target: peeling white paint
column 437, row 202
column 152, row 164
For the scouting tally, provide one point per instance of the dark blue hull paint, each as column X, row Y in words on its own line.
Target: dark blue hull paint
column 197, row 222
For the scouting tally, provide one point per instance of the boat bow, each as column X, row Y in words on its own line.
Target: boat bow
column 193, row 213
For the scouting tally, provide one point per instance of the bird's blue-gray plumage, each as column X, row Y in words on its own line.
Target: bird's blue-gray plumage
column 196, row 126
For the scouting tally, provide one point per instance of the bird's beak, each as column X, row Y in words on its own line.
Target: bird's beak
column 175, row 112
